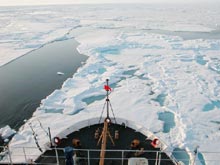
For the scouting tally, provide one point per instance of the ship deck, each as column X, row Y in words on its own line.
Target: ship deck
column 114, row 155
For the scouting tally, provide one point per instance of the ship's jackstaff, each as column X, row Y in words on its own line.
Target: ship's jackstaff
column 105, row 132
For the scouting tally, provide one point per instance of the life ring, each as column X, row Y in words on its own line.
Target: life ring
column 155, row 143
column 57, row 140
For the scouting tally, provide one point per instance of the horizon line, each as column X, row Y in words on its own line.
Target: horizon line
column 110, row 3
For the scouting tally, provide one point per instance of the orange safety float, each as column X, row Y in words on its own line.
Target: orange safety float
column 135, row 143
column 76, row 143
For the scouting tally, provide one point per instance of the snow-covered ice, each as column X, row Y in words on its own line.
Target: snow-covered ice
column 157, row 73
column 6, row 132
column 60, row 73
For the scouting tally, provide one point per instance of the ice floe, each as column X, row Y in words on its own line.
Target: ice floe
column 150, row 73
column 6, row 132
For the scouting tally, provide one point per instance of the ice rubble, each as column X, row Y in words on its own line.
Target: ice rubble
column 24, row 29
column 6, row 132
column 141, row 66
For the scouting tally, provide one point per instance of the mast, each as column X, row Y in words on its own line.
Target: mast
column 107, row 96
column 104, row 142
column 105, row 131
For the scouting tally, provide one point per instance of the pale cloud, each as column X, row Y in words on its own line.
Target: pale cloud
column 45, row 2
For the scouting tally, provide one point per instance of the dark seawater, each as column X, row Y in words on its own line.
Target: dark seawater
column 29, row 79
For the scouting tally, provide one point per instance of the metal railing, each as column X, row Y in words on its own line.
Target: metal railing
column 90, row 155
column 58, row 155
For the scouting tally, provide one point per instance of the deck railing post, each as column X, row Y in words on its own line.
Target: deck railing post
column 88, row 157
column 57, row 158
column 156, row 162
column 122, row 157
column 159, row 158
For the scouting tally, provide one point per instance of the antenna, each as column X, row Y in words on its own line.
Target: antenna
column 107, row 88
column 107, row 103
column 105, row 131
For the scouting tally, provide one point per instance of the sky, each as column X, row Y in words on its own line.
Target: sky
column 45, row 2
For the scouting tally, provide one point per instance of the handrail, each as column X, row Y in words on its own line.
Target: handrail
column 26, row 155
column 10, row 159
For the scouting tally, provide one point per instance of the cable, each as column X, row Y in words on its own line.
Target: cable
column 43, row 127
column 35, row 137
column 112, row 112
column 102, row 112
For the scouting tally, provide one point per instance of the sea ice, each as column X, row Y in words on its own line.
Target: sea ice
column 150, row 73
column 6, row 132
column 60, row 73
